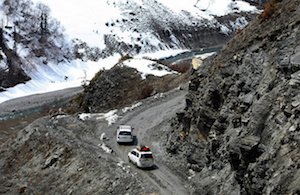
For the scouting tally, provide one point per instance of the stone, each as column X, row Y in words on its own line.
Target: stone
column 295, row 59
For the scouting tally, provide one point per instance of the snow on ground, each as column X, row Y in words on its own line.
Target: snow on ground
column 160, row 54
column 56, row 77
column 105, row 148
column 203, row 56
column 206, row 8
column 3, row 64
column 86, row 19
column 126, row 109
column 83, row 19
column 147, row 67
column 110, row 116
column 52, row 77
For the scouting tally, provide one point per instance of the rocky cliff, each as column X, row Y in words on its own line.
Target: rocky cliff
column 239, row 132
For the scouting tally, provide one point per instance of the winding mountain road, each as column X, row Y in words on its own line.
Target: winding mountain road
column 153, row 115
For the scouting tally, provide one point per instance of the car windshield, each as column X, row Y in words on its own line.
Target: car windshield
column 146, row 156
column 124, row 133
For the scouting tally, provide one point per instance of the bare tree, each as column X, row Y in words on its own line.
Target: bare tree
column 44, row 13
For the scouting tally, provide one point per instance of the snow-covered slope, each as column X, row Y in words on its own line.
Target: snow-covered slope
column 113, row 26
column 146, row 25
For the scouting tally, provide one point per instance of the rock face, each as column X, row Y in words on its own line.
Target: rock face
column 240, row 128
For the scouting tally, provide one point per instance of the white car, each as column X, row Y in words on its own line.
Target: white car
column 124, row 134
column 142, row 157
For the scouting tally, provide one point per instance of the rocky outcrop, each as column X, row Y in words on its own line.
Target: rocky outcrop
column 15, row 74
column 240, row 127
column 121, row 86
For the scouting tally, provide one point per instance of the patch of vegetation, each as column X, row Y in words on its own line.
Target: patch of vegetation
column 181, row 68
column 124, row 58
column 269, row 9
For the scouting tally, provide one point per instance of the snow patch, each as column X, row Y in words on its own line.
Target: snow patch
column 206, row 55
column 239, row 23
column 146, row 67
column 159, row 95
column 161, row 54
column 126, row 109
column 3, row 63
column 103, row 136
column 105, row 148
column 225, row 30
column 110, row 116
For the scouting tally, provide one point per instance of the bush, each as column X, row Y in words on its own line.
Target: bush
column 124, row 58
column 269, row 9
column 181, row 68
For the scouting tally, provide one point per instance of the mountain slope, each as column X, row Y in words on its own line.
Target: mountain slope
column 29, row 36
column 39, row 43
column 155, row 25
column 240, row 127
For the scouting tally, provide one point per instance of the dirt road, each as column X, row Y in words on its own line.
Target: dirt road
column 150, row 119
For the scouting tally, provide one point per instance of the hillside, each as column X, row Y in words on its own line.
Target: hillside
column 35, row 46
column 239, row 131
column 29, row 36
column 232, row 129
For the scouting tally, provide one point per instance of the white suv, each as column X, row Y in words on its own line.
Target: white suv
column 124, row 134
column 142, row 157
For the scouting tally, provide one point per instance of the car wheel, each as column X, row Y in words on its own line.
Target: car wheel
column 129, row 160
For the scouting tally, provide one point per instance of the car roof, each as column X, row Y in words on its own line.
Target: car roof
column 124, row 130
column 124, row 127
column 142, row 152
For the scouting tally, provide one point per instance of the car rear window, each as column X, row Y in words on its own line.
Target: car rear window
column 146, row 156
column 124, row 133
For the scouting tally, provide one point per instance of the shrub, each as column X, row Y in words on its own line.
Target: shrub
column 124, row 57
column 269, row 9
column 181, row 68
